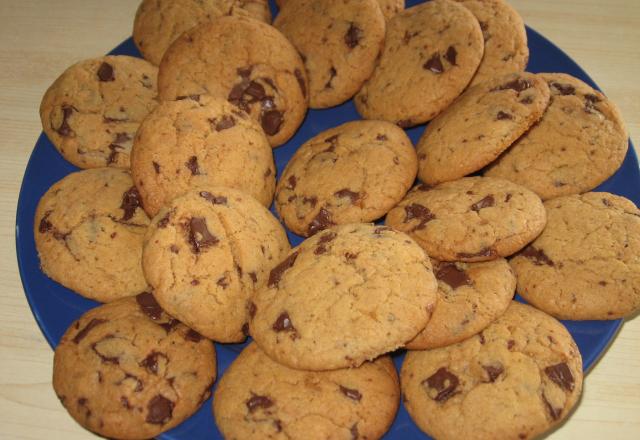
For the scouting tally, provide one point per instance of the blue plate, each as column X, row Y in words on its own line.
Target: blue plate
column 56, row 307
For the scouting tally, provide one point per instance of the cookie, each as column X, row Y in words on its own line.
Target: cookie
column 580, row 141
column 204, row 255
column 258, row 398
column 158, row 23
column 505, row 38
column 519, row 378
column 200, row 142
column 357, row 279
column 129, row 370
column 431, row 52
column 256, row 69
column 89, row 228
column 470, row 297
column 92, row 111
column 389, row 8
column 352, row 173
column 470, row 219
column 339, row 43
column 482, row 123
column 585, row 263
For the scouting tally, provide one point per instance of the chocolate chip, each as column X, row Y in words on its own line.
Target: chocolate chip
column 537, row 256
column 45, row 224
column 256, row 91
column 276, row 273
column 404, row 123
column 283, row 323
column 65, row 129
column 381, row 137
column 589, row 103
column 245, row 329
column 353, row 36
column 105, row 359
column 508, row 197
column 125, row 402
column 483, row 25
column 332, row 74
column 164, row 221
column 159, row 410
column 149, row 305
column 451, row 55
column 151, row 361
column 346, row 192
column 130, row 202
column 82, row 333
column 444, row 383
column 434, row 64
column 417, row 211
column 486, row 202
column 354, row 432
column 252, row 310
column 169, row 325
column 553, row 412
column 244, row 72
column 199, row 235
column 256, row 402
column 350, row 256
column 503, row 115
column 192, row 164
column 292, row 182
column 301, row 81
column 510, row 344
column 271, row 122
column 223, row 282
column 450, row 274
column 122, row 138
column 105, row 72
column 526, row 100
column 518, row 84
column 486, row 252
column 563, row 89
column 235, row 95
column 113, row 156
column 321, row 221
column 561, row 375
column 139, row 385
column 493, row 371
column 191, row 97
column 224, row 123
column 216, row 200
column 351, row 393
column 193, row 336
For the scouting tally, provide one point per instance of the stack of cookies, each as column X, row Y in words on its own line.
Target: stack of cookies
column 168, row 223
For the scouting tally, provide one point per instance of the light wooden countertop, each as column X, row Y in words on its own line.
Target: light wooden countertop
column 40, row 38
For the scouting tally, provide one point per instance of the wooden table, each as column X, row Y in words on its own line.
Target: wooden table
column 40, row 38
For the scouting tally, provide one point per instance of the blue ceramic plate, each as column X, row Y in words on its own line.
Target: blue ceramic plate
column 56, row 307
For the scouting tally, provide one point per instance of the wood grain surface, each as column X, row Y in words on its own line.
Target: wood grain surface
column 40, row 38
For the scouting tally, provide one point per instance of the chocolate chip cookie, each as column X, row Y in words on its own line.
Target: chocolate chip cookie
column 158, row 23
column 204, row 255
column 585, row 263
column 580, row 141
column 258, row 398
column 352, row 173
column 89, row 229
column 470, row 297
column 482, row 123
column 339, row 43
column 92, row 111
column 431, row 52
column 357, row 279
column 200, row 141
column 505, row 38
column 519, row 378
column 470, row 219
column 129, row 370
column 245, row 61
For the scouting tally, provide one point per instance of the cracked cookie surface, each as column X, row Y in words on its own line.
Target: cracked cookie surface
column 505, row 38
column 483, row 122
column 129, row 370
column 89, row 228
column 158, row 23
column 200, row 142
column 431, row 52
column 580, row 141
column 339, row 43
column 204, row 255
column 470, row 219
column 352, row 173
column 585, row 264
column 247, row 62
column 258, row 398
column 350, row 279
column 470, row 297
column 92, row 111
column 518, row 378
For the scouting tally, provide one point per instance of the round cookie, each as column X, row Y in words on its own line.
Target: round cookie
column 505, row 38
column 357, row 279
column 431, row 52
column 92, row 111
column 585, row 264
column 519, row 378
column 257, row 69
column 128, row 370
column 339, row 43
column 158, row 23
column 204, row 255
column 482, row 123
column 389, row 8
column 258, row 398
column 470, row 219
column 470, row 297
column 352, row 173
column 200, row 142
column 89, row 228
column 580, row 141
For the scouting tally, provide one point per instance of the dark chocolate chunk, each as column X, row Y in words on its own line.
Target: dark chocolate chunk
column 216, row 200
column 225, row 122
column 292, row 182
column 276, row 273
column 301, row 81
column 537, row 256
column 351, row 393
column 486, row 252
column 223, row 282
column 561, row 375
column 45, row 224
column 332, row 74
column 113, row 156
column 450, row 274
column 381, row 137
column 321, row 221
column 353, row 36
column 354, row 432
column 434, row 64
column 503, row 115
column 151, row 361
column 526, row 100
column 169, row 325
column 130, row 202
column 192, row 164
column 256, row 91
column 518, row 84
column 346, row 192
column 486, row 202
column 159, row 410
column 553, row 412
column 149, row 305
column 493, row 371
column 253, row 276
column 82, row 333
column 199, row 235
column 563, row 89
column 271, row 122
column 193, row 336
column 105, row 72
column 451, row 55
column 283, row 323
column 65, row 129
column 444, row 383
column 256, row 402
column 417, row 211
column 164, row 221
